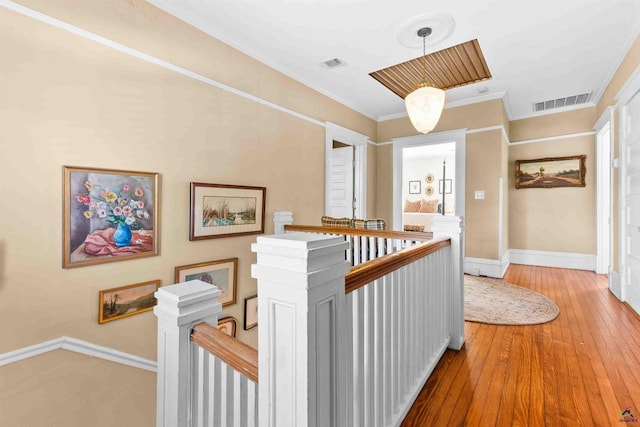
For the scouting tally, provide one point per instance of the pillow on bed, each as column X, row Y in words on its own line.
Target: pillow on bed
column 410, row 206
column 429, row 206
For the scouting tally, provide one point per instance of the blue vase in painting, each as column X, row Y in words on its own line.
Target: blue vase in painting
column 122, row 235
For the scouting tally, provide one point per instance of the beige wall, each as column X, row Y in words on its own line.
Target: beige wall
column 70, row 101
column 558, row 219
column 483, row 170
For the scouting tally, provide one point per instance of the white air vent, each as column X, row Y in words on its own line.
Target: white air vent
column 561, row 102
column 332, row 63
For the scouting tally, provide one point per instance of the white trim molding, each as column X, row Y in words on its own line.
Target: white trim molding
column 570, row 260
column 38, row 16
column 487, row 267
column 553, row 138
column 78, row 346
column 615, row 284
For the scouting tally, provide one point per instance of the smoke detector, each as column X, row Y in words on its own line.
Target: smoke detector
column 332, row 63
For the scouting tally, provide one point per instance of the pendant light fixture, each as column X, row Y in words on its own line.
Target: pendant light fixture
column 424, row 105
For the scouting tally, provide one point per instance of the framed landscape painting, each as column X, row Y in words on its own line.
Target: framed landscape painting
column 551, row 172
column 219, row 210
column 108, row 215
column 222, row 273
column 125, row 301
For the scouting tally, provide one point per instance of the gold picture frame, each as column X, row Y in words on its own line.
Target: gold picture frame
column 551, row 172
column 223, row 273
column 108, row 215
column 125, row 301
column 228, row 325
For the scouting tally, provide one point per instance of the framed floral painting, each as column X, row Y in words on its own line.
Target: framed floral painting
column 109, row 215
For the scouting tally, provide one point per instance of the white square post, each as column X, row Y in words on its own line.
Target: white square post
column 301, row 316
column 179, row 308
column 280, row 219
column 453, row 227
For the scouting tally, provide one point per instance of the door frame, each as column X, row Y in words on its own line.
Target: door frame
column 628, row 91
column 459, row 137
column 604, row 195
column 334, row 132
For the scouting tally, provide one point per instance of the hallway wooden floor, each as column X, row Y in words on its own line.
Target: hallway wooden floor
column 582, row 369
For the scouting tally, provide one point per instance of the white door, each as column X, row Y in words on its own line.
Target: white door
column 341, row 203
column 631, row 202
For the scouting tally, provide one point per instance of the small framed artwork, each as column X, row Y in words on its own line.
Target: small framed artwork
column 447, row 186
column 223, row 273
column 250, row 312
column 415, row 187
column 227, row 325
column 125, row 301
column 219, row 210
column 551, row 172
column 108, row 215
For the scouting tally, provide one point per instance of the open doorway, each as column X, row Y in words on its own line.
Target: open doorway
column 342, row 146
column 428, row 178
column 428, row 173
column 342, row 200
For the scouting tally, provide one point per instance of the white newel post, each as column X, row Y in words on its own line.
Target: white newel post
column 179, row 308
column 280, row 219
column 301, row 313
column 453, row 227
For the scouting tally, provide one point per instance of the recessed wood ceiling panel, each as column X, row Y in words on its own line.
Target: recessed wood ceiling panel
column 455, row 66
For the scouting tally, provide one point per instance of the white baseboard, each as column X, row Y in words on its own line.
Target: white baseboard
column 553, row 259
column 487, row 267
column 615, row 284
column 79, row 346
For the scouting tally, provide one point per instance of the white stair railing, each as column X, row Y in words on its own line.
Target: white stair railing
column 339, row 346
column 197, row 386
column 340, row 353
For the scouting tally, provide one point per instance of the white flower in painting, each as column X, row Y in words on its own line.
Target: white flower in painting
column 129, row 220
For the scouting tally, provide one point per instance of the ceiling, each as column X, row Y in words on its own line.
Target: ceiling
column 536, row 50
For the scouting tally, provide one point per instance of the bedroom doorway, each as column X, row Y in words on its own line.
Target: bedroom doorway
column 428, row 178
column 427, row 174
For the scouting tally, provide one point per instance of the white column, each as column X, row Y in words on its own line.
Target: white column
column 179, row 308
column 280, row 219
column 301, row 316
column 453, row 227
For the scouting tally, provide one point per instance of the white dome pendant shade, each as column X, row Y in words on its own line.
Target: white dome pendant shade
column 424, row 107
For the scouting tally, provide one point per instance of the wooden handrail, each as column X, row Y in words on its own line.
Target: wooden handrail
column 363, row 274
column 385, row 234
column 234, row 353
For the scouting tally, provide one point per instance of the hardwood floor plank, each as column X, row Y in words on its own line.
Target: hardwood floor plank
column 583, row 368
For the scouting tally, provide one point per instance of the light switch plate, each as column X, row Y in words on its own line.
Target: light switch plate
column 479, row 195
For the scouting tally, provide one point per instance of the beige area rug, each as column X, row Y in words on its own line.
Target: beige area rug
column 489, row 300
